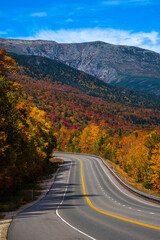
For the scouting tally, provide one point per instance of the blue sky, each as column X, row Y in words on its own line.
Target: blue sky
column 126, row 22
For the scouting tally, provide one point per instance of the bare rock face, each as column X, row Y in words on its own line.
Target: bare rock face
column 127, row 66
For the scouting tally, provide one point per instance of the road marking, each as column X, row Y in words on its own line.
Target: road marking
column 99, row 210
column 57, row 213
column 133, row 197
column 106, row 213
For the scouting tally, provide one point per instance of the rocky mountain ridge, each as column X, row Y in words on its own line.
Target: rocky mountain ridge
column 127, row 66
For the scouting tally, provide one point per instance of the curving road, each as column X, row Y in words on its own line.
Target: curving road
column 86, row 202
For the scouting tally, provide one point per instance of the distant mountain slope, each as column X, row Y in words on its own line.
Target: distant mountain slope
column 131, row 67
column 73, row 108
column 42, row 67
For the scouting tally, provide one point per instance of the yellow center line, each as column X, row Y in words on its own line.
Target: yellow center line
column 106, row 213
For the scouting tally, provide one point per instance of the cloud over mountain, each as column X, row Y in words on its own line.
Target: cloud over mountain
column 148, row 40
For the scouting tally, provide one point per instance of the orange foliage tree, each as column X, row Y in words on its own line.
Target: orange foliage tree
column 155, row 168
column 7, row 64
column 26, row 135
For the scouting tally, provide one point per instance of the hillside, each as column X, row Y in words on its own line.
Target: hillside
column 75, row 99
column 42, row 67
column 118, row 128
column 114, row 126
column 131, row 67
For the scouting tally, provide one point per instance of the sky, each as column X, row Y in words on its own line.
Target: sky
column 122, row 22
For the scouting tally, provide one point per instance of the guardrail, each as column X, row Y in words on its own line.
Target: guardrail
column 136, row 191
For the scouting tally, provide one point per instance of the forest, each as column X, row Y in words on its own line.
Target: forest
column 26, row 135
column 120, row 125
column 123, row 131
column 137, row 153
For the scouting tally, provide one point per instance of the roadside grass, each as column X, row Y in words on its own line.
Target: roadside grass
column 29, row 191
column 130, row 181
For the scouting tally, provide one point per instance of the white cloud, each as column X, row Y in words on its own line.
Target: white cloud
column 150, row 40
column 120, row 2
column 3, row 32
column 111, row 2
column 140, row 1
column 39, row 14
column 69, row 20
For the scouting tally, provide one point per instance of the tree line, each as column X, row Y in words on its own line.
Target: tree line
column 137, row 153
column 26, row 135
column 128, row 136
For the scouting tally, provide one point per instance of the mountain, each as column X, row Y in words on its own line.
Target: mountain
column 88, row 115
column 126, row 66
column 74, row 99
column 42, row 67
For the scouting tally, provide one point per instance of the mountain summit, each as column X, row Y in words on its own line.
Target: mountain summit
column 131, row 67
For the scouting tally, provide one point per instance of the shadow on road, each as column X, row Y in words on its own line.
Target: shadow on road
column 55, row 195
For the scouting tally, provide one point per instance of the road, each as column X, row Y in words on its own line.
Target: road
column 86, row 202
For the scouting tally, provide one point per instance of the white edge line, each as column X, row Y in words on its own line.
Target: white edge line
column 57, row 213
column 103, row 166
column 131, row 196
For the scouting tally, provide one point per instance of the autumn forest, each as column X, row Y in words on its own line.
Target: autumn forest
column 46, row 105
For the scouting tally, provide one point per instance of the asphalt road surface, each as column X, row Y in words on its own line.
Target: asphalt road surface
column 86, row 202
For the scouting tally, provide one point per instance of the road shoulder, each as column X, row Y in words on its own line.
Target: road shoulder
column 6, row 221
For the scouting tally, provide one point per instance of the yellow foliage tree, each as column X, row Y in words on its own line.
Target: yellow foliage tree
column 7, row 64
column 88, row 137
column 155, row 168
